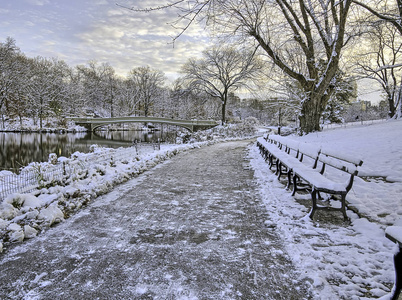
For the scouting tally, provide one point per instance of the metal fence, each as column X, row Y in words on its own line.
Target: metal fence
column 39, row 175
column 351, row 124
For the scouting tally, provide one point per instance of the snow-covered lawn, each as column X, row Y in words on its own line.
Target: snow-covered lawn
column 344, row 261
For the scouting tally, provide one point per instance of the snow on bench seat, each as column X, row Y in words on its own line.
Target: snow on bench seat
column 318, row 181
column 394, row 233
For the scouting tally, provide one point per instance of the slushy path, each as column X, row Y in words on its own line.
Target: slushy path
column 191, row 228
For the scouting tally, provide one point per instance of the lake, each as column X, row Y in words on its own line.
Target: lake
column 20, row 149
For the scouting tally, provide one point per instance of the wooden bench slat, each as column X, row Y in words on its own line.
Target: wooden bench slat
column 339, row 164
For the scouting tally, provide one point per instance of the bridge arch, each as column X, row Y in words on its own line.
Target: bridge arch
column 192, row 125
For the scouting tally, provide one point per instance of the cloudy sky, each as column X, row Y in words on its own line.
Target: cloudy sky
column 77, row 31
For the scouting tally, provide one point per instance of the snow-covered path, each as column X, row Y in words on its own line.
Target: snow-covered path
column 191, row 228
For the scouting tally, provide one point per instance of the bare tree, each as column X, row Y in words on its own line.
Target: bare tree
column 387, row 10
column 316, row 29
column 304, row 39
column 386, row 68
column 188, row 104
column 220, row 71
column 99, row 86
column 47, row 88
column 9, row 73
column 383, row 62
column 17, row 103
column 149, row 85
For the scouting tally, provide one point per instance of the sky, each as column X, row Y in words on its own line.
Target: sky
column 78, row 31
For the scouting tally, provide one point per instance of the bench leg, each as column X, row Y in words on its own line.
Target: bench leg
column 398, row 275
column 270, row 161
column 314, row 199
column 294, row 185
column 278, row 168
column 281, row 172
column 343, row 208
column 289, row 178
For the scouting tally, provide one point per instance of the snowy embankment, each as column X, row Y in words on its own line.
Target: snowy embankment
column 25, row 215
column 339, row 260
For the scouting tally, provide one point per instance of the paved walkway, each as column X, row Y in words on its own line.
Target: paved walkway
column 191, row 228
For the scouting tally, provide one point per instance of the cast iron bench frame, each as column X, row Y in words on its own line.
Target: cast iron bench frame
column 277, row 150
column 392, row 234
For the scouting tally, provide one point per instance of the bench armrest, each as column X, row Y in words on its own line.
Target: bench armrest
column 394, row 233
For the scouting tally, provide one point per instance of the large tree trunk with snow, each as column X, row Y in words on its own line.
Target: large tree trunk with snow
column 309, row 118
column 311, row 113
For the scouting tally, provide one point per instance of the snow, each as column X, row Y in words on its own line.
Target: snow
column 27, row 124
column 51, row 214
column 395, row 232
column 340, row 260
column 377, row 195
column 92, row 174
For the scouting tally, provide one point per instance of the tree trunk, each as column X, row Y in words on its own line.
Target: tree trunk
column 311, row 113
column 391, row 105
column 224, row 101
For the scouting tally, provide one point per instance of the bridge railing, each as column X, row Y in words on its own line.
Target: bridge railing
column 189, row 124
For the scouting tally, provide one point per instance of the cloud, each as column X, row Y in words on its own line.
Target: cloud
column 37, row 2
column 129, row 39
column 78, row 31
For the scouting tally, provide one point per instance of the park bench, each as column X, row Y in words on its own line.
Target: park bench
column 318, row 182
column 305, row 166
column 284, row 154
column 394, row 233
column 277, row 153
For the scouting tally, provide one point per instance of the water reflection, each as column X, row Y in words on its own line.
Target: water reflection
column 19, row 149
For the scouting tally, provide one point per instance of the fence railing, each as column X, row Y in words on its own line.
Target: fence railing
column 33, row 177
column 350, row 124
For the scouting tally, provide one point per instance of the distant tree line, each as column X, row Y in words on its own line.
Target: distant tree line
column 40, row 88
column 305, row 56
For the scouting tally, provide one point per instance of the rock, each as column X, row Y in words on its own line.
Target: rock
column 30, row 232
column 3, row 224
column 50, row 215
column 16, row 233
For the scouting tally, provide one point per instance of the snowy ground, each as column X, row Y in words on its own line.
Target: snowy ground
column 344, row 261
column 337, row 260
column 50, row 124
column 23, row 216
column 190, row 228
